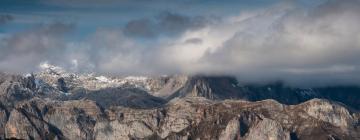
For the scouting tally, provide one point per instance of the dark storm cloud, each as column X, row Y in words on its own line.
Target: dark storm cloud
column 4, row 18
column 166, row 23
column 140, row 28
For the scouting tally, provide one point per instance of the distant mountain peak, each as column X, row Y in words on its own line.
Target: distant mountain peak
column 47, row 67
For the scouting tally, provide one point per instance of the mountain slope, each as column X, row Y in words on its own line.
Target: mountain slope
column 129, row 97
column 187, row 118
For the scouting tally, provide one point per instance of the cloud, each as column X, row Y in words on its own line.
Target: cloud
column 22, row 51
column 117, row 52
column 5, row 18
column 310, row 46
column 166, row 23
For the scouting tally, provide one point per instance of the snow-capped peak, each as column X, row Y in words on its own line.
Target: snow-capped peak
column 50, row 74
column 28, row 75
column 51, row 68
column 136, row 78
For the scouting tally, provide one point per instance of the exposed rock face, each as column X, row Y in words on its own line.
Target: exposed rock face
column 209, row 87
column 232, row 130
column 169, row 86
column 61, row 85
column 327, row 112
column 268, row 129
column 129, row 97
column 15, row 88
column 188, row 118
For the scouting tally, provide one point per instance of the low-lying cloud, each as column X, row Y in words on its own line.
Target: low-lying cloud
column 302, row 46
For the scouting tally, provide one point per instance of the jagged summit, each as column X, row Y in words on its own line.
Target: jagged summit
column 90, row 81
column 51, row 69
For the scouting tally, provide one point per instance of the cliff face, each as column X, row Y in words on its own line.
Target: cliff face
column 187, row 118
column 215, row 88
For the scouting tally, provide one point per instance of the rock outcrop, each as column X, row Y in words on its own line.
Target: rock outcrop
column 187, row 118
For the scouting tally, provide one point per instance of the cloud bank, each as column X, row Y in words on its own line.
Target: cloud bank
column 302, row 46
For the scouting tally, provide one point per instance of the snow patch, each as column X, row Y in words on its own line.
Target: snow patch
column 136, row 78
column 102, row 79
column 51, row 68
column 66, row 93
column 28, row 75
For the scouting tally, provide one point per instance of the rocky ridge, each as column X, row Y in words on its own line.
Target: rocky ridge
column 55, row 104
column 186, row 118
column 56, row 80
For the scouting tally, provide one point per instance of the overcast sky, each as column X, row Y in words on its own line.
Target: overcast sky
column 306, row 42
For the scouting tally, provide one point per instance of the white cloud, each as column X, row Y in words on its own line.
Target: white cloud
column 288, row 43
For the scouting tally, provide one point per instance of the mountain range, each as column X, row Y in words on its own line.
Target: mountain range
column 57, row 104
